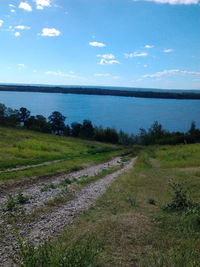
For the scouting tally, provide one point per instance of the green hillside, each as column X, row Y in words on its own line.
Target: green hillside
column 24, row 148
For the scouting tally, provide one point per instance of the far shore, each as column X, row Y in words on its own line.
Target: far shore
column 102, row 91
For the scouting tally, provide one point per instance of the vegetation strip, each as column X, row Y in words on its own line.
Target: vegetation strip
column 31, row 166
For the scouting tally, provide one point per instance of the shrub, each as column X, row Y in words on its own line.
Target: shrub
column 48, row 187
column 132, row 201
column 65, row 182
column 180, row 199
column 21, row 199
column 13, row 204
column 152, row 201
column 10, row 204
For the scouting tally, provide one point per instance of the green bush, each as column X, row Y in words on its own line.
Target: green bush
column 180, row 199
column 151, row 201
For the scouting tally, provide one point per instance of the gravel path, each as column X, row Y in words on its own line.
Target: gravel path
column 52, row 223
column 37, row 197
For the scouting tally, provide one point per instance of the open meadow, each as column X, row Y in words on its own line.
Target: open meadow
column 148, row 216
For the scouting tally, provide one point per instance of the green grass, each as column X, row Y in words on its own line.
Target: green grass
column 133, row 230
column 178, row 156
column 22, row 148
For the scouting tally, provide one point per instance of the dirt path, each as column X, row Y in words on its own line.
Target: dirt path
column 46, row 163
column 49, row 224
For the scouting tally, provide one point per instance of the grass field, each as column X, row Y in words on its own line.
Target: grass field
column 129, row 225
column 22, row 148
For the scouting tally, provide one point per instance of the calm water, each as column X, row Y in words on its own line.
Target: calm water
column 126, row 113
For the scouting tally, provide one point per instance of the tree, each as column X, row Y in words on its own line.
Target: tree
column 2, row 114
column 87, row 130
column 156, row 131
column 67, row 131
column 42, row 124
column 23, row 115
column 76, row 129
column 194, row 133
column 111, row 135
column 125, row 139
column 57, row 122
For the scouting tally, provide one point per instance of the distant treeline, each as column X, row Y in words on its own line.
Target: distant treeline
column 55, row 124
column 100, row 91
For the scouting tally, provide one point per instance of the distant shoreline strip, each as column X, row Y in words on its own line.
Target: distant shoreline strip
column 97, row 91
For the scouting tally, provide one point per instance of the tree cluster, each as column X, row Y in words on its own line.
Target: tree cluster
column 55, row 124
column 157, row 135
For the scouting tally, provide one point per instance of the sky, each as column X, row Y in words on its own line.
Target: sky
column 134, row 43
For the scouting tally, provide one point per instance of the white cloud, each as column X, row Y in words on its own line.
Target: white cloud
column 25, row 6
column 136, row 54
column 40, row 4
column 172, row 2
column 97, row 44
column 107, row 56
column 168, row 50
column 1, row 22
column 22, row 27
column 51, row 32
column 171, row 72
column 137, row 80
column 12, row 11
column 109, row 62
column 11, row 5
column 69, row 74
column 149, row 46
column 21, row 65
column 17, row 34
column 106, row 75
column 102, row 74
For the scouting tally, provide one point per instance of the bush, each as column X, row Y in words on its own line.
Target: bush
column 12, row 204
column 152, row 201
column 180, row 199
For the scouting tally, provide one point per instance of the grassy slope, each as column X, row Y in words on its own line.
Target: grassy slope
column 22, row 148
column 131, row 232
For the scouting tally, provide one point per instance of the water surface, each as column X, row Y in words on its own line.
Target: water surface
column 126, row 113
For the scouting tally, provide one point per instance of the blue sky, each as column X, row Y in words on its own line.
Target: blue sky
column 136, row 43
